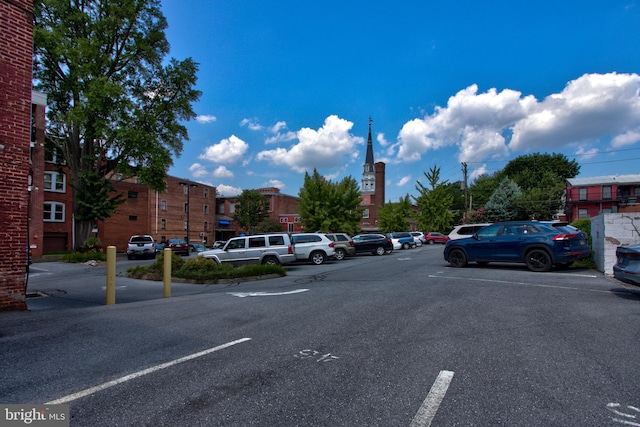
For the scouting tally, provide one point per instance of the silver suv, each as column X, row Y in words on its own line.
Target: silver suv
column 273, row 249
column 314, row 247
column 141, row 246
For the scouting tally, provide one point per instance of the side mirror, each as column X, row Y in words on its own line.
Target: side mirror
column 475, row 236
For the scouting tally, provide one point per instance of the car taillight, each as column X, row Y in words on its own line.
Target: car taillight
column 331, row 244
column 389, row 240
column 351, row 243
column 290, row 249
column 564, row 237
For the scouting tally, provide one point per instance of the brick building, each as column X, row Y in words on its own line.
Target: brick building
column 16, row 46
column 184, row 206
column 589, row 197
column 283, row 209
column 372, row 189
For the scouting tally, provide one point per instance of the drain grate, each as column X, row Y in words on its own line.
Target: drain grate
column 36, row 294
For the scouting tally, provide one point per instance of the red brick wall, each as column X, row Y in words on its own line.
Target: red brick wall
column 36, row 201
column 15, row 116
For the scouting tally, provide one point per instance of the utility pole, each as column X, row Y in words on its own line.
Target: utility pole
column 464, row 187
column 188, row 186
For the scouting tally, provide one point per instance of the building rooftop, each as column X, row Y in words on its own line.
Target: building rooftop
column 607, row 179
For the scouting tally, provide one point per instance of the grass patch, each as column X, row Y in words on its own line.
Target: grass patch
column 201, row 270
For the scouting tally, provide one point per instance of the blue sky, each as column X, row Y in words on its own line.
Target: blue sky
column 290, row 85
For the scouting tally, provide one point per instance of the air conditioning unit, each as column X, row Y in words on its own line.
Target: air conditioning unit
column 202, row 234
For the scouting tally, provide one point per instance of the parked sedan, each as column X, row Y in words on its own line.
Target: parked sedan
column 537, row 245
column 377, row 244
column 402, row 240
column 179, row 246
column 627, row 267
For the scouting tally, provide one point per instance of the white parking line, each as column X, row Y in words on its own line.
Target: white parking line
column 129, row 377
column 431, row 403
column 472, row 279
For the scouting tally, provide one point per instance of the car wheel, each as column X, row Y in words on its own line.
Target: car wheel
column 538, row 260
column 317, row 257
column 457, row 258
column 380, row 250
column 340, row 254
column 406, row 245
column 270, row 260
column 431, row 242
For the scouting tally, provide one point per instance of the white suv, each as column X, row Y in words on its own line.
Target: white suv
column 312, row 247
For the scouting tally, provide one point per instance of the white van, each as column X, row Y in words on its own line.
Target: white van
column 465, row 230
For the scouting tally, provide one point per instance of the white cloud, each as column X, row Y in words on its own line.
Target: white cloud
column 478, row 172
column 586, row 153
column 205, row 118
column 274, row 183
column 229, row 150
column 382, row 140
column 281, row 137
column 197, row 170
column 227, row 190
column 277, row 127
column 330, row 146
column 251, row 124
column 592, row 108
column 222, row 172
column 403, row 181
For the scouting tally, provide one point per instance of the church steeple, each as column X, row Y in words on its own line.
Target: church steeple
column 369, row 173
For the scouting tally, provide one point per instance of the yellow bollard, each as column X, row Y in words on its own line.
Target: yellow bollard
column 111, row 275
column 167, row 272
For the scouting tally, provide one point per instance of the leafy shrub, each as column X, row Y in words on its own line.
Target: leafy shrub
column 202, row 270
column 584, row 224
column 80, row 257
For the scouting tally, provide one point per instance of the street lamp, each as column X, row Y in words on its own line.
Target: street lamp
column 188, row 186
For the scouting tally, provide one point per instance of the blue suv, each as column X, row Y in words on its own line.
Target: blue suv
column 539, row 246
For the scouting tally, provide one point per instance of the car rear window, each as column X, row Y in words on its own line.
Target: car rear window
column 307, row 238
column 141, row 239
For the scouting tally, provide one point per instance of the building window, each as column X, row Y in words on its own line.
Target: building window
column 284, row 220
column 132, row 194
column 53, row 212
column 186, row 225
column 582, row 213
column 206, row 226
column 206, row 209
column 163, row 224
column 206, row 193
column 133, row 217
column 221, row 208
column 582, row 194
column 636, row 191
column 232, row 208
column 365, row 213
column 53, row 154
column 606, row 192
column 163, row 205
column 186, row 207
column 55, row 181
column 185, row 189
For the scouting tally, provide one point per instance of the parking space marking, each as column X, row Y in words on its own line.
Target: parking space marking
column 506, row 282
column 429, row 407
column 265, row 294
column 92, row 390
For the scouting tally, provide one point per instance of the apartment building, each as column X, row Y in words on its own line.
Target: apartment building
column 589, row 197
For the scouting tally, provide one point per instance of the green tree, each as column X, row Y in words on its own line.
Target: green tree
column 115, row 106
column 268, row 225
column 434, row 203
column 503, row 203
column 251, row 209
column 482, row 188
column 327, row 206
column 532, row 170
column 395, row 216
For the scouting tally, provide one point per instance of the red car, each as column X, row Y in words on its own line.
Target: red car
column 179, row 246
column 433, row 237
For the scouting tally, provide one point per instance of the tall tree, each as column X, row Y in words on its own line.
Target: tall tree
column 395, row 216
column 327, row 206
column 116, row 106
column 503, row 203
column 528, row 171
column 434, row 203
column 251, row 209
